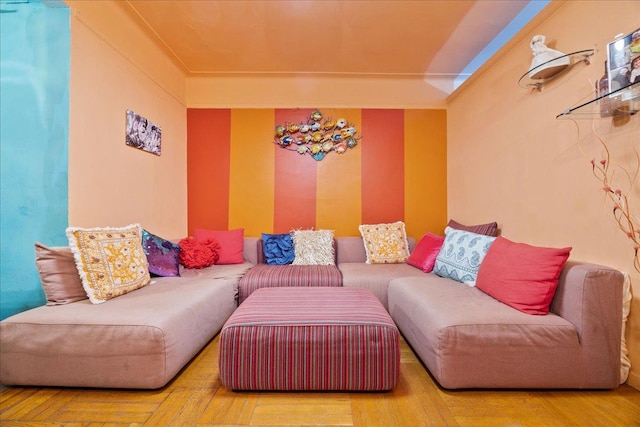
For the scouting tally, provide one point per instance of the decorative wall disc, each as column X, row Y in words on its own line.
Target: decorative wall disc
column 318, row 136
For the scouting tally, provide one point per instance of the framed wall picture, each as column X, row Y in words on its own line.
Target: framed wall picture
column 143, row 133
column 623, row 61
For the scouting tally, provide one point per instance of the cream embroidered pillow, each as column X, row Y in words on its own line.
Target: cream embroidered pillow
column 385, row 243
column 313, row 247
column 110, row 261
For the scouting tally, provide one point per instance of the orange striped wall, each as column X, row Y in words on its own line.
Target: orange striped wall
column 237, row 176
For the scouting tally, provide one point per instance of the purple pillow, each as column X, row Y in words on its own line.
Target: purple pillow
column 163, row 256
column 278, row 248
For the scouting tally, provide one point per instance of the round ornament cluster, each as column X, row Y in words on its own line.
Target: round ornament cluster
column 317, row 136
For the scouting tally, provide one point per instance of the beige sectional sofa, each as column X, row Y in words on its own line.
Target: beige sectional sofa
column 465, row 338
column 138, row 340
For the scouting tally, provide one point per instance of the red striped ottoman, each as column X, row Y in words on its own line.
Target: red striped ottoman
column 310, row 338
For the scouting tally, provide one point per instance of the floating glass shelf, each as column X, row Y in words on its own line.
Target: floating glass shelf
column 547, row 71
column 620, row 102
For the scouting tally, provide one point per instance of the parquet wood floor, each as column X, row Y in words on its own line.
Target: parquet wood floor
column 197, row 398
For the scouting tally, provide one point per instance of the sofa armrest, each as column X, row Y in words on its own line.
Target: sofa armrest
column 590, row 297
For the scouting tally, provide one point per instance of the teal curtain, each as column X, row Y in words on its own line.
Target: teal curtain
column 34, row 128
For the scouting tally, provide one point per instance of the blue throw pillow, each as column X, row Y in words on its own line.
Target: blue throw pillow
column 162, row 255
column 278, row 249
column 461, row 255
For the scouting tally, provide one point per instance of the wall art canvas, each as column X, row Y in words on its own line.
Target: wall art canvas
column 143, row 133
column 623, row 61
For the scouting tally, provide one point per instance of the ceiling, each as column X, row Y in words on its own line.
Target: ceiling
column 423, row 38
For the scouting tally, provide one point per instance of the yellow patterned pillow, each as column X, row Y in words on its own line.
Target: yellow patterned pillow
column 110, row 261
column 385, row 243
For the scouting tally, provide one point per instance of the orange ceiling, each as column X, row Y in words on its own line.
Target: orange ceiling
column 374, row 37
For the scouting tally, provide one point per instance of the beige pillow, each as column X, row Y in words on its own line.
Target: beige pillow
column 58, row 275
column 110, row 261
column 313, row 247
column 385, row 243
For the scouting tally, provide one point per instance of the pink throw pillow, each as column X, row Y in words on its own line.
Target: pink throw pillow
column 231, row 243
column 522, row 276
column 59, row 275
column 426, row 251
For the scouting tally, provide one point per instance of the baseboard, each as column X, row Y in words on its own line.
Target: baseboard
column 634, row 380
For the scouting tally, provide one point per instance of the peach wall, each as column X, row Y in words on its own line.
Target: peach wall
column 311, row 91
column 511, row 160
column 115, row 67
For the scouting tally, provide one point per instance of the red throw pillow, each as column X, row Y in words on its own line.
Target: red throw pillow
column 522, row 276
column 231, row 243
column 426, row 251
column 196, row 253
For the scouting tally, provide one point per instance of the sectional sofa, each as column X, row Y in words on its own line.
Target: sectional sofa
column 465, row 338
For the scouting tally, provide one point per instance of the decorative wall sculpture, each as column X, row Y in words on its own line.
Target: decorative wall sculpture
column 318, row 136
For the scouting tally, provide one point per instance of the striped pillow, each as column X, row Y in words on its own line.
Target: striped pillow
column 489, row 229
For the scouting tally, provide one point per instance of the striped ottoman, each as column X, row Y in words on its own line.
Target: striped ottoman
column 310, row 338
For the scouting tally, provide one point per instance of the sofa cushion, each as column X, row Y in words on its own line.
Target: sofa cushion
column 278, row 249
column 468, row 339
column 138, row 340
column 385, row 243
column 110, row 261
column 231, row 243
column 489, row 229
column 163, row 256
column 313, row 247
column 461, row 255
column 375, row 277
column 425, row 253
column 522, row 276
column 59, row 276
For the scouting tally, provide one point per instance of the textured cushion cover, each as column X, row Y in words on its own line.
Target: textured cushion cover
column 385, row 243
column 522, row 276
column 196, row 253
column 278, row 249
column 425, row 253
column 461, row 255
column 110, row 261
column 313, row 247
column 489, row 229
column 58, row 275
column 163, row 256
column 231, row 243
column 310, row 339
column 268, row 276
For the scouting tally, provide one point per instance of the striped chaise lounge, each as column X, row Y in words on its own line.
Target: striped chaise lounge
column 268, row 276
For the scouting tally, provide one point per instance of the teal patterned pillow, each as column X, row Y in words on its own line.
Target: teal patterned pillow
column 461, row 255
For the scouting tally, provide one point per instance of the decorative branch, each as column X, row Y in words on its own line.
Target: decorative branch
column 619, row 199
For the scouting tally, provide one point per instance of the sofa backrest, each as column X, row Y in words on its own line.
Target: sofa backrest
column 250, row 249
column 351, row 249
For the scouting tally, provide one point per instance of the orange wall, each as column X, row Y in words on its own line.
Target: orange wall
column 511, row 160
column 396, row 172
column 111, row 184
